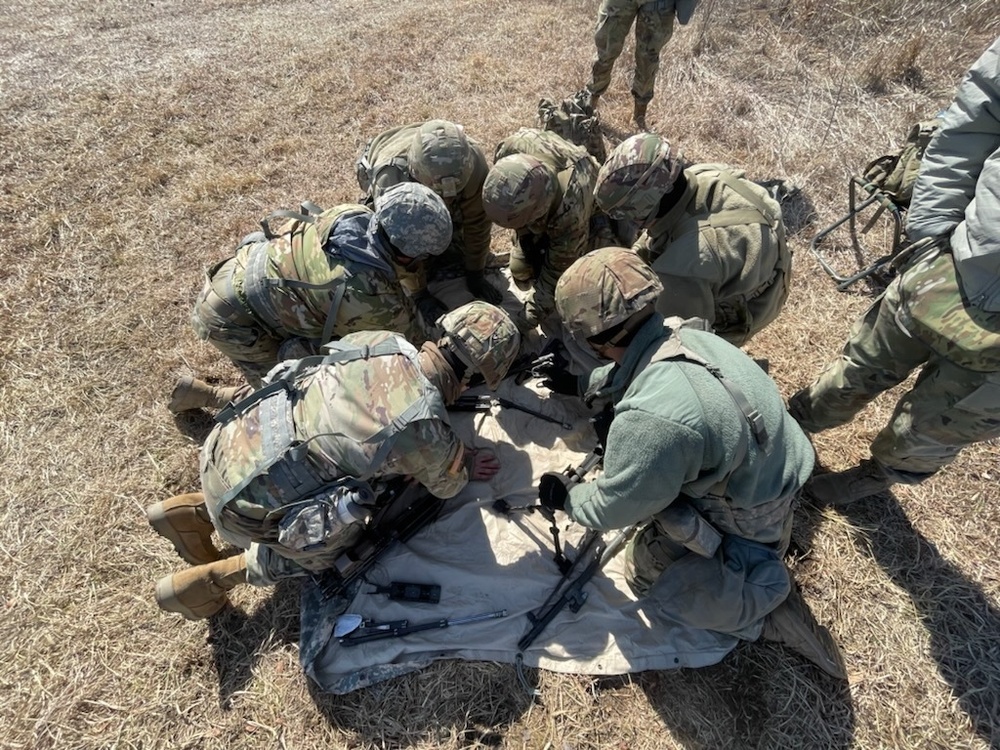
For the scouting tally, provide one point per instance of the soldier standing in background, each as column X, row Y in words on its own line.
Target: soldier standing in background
column 941, row 314
column 289, row 471
column 654, row 25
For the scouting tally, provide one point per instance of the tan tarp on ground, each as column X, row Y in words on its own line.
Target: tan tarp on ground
column 486, row 562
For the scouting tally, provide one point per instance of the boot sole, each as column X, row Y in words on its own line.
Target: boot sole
column 167, row 600
column 157, row 517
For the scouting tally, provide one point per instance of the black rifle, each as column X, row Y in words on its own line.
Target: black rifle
column 404, row 509
column 571, row 594
column 486, row 401
column 402, row 627
column 575, row 474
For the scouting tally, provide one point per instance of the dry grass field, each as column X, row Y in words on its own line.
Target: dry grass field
column 139, row 141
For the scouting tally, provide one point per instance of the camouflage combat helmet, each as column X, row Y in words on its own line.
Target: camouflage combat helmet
column 604, row 288
column 415, row 220
column 484, row 338
column 639, row 172
column 440, row 157
column 518, row 190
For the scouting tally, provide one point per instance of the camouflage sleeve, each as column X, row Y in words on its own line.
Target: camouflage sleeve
column 475, row 226
column 569, row 234
column 969, row 133
column 432, row 454
column 373, row 302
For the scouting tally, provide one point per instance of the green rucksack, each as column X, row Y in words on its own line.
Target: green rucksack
column 895, row 174
column 575, row 120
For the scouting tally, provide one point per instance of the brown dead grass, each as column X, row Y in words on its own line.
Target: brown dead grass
column 138, row 141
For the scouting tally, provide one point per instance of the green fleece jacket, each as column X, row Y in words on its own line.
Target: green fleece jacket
column 676, row 430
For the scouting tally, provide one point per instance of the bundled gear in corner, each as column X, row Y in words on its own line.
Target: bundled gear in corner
column 884, row 188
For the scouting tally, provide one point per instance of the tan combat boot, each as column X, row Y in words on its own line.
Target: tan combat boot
column 184, row 521
column 200, row 592
column 191, row 393
column 793, row 626
column 846, row 487
column 639, row 113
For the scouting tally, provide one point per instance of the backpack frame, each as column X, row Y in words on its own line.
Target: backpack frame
column 886, row 185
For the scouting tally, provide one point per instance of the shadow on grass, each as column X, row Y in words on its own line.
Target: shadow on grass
column 196, row 424
column 964, row 626
column 474, row 703
column 237, row 638
column 761, row 695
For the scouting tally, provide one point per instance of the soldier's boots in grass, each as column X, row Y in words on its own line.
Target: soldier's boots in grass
column 191, row 393
column 184, row 521
column 841, row 488
column 639, row 113
column 202, row 591
column 793, row 626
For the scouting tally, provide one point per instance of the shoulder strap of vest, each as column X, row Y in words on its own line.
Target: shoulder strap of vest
column 673, row 349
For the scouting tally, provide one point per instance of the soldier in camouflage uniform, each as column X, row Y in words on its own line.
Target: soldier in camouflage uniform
column 439, row 155
column 542, row 186
column 654, row 25
column 324, row 275
column 941, row 314
column 716, row 240
column 291, row 471
column 700, row 451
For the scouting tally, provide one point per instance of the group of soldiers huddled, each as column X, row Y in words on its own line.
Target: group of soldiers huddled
column 351, row 362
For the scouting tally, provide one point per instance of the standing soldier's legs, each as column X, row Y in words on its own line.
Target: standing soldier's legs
column 654, row 26
column 221, row 319
column 948, row 408
column 614, row 20
column 878, row 355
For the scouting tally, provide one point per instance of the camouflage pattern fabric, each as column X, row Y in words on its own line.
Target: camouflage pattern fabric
column 386, row 162
column 721, row 253
column 564, row 234
column 221, row 319
column 575, row 120
column 654, row 25
column 484, row 337
column 340, row 418
column 603, row 289
column 639, row 172
column 956, row 398
column 251, row 337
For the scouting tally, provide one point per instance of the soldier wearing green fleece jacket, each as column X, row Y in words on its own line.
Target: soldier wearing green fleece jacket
column 700, row 452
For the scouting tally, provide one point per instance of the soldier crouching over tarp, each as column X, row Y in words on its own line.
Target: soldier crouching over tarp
column 324, row 275
column 294, row 470
column 701, row 450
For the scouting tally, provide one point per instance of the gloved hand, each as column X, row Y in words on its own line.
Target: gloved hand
column 429, row 306
column 557, row 378
column 553, row 489
column 481, row 288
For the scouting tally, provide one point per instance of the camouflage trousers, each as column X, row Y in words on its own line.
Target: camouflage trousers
column 220, row 318
column 948, row 407
column 654, row 25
